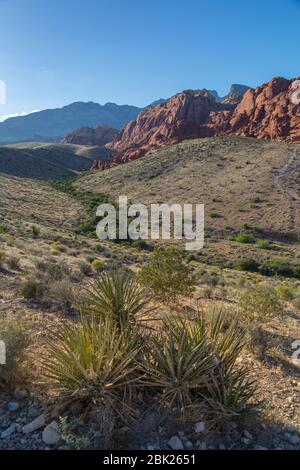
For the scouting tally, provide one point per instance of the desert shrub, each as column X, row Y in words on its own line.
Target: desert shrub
column 3, row 229
column 98, row 265
column 54, row 252
column 278, row 266
column 12, row 262
column 246, row 264
column 2, row 258
column 285, row 292
column 214, row 215
column 98, row 248
column 52, row 270
column 189, row 258
column 207, row 293
column 16, row 339
column 63, row 292
column 95, row 363
column 167, row 275
column 244, row 238
column 85, row 268
column 296, row 302
column 35, row 231
column 117, row 296
column 140, row 245
column 264, row 244
column 33, row 288
column 259, row 304
column 211, row 280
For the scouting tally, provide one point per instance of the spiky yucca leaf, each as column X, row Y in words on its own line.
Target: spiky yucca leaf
column 119, row 296
column 94, row 362
column 227, row 342
column 178, row 363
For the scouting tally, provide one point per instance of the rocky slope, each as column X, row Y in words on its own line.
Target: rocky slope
column 266, row 112
column 99, row 136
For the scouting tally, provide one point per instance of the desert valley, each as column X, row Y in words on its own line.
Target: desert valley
column 141, row 344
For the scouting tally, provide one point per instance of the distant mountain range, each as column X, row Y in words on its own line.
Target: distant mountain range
column 54, row 124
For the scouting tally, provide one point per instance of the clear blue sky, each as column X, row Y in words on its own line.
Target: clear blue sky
column 135, row 51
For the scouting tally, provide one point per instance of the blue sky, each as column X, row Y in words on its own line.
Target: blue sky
column 135, row 51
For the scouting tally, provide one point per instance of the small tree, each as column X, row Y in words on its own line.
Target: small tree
column 167, row 275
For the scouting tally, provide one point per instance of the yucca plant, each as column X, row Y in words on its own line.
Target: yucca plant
column 95, row 363
column 230, row 386
column 178, row 364
column 118, row 296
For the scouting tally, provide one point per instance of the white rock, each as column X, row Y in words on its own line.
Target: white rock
column 51, row 434
column 175, row 443
column 199, row 427
column 189, row 445
column 9, row 431
column 37, row 423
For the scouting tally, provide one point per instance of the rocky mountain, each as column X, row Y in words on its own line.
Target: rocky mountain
column 265, row 112
column 55, row 124
column 235, row 94
column 99, row 136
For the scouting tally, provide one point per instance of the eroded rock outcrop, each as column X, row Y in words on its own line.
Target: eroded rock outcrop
column 266, row 112
column 98, row 136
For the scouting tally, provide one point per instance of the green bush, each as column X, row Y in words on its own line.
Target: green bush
column 244, row 238
column 285, row 292
column 98, row 265
column 140, row 245
column 16, row 339
column 12, row 262
column 2, row 258
column 247, row 264
column 214, row 215
column 85, row 268
column 35, row 231
column 33, row 288
column 63, row 292
column 167, row 275
column 3, row 229
column 279, row 266
column 259, row 304
column 263, row 244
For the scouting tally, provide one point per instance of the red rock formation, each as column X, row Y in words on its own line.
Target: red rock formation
column 266, row 112
column 185, row 116
column 98, row 136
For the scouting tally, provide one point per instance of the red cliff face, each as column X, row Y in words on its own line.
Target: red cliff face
column 266, row 112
